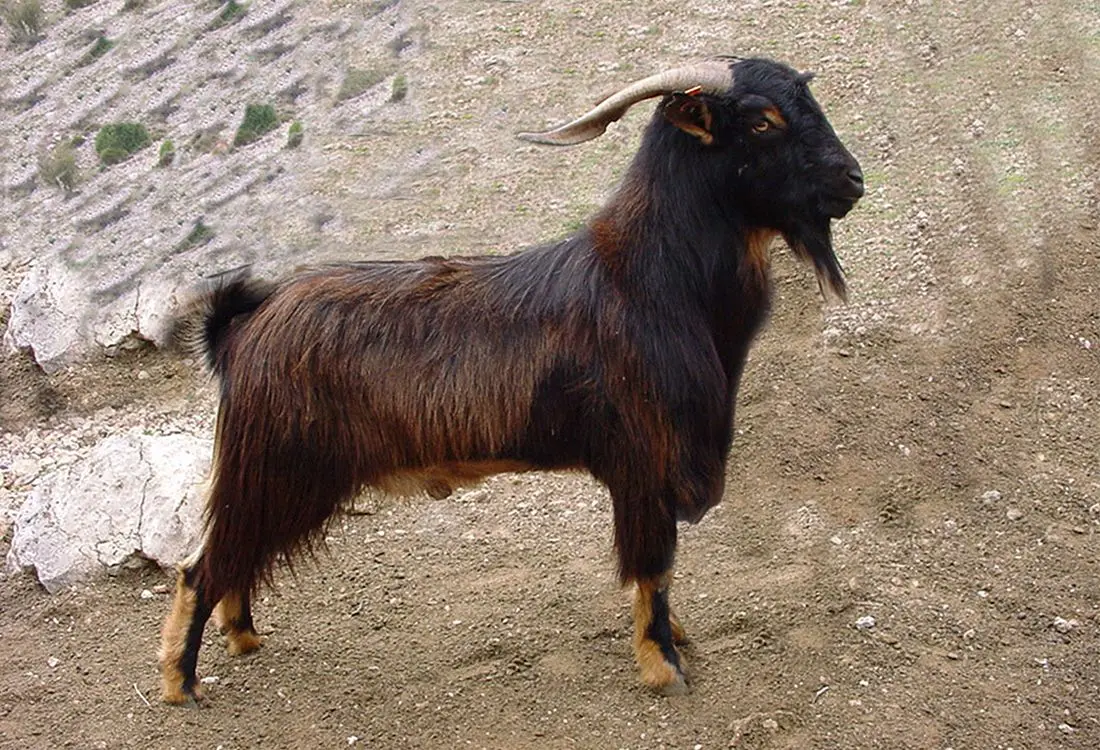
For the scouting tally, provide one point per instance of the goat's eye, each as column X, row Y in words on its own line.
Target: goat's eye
column 761, row 126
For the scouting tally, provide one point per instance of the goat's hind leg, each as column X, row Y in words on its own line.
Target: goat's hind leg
column 656, row 633
column 181, row 638
column 234, row 618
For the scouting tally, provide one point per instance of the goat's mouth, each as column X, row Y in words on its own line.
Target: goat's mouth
column 838, row 206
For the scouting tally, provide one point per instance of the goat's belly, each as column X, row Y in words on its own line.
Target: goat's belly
column 441, row 480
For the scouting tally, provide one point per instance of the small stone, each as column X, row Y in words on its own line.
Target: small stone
column 146, row 594
column 143, row 375
column 952, row 655
column 865, row 623
column 53, row 661
column 23, row 471
column 1066, row 728
column 970, row 635
column 1062, row 625
column 771, row 724
column 1014, row 514
column 209, row 680
column 990, row 497
column 160, row 588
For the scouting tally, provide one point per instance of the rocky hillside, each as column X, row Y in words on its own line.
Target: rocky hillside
column 105, row 239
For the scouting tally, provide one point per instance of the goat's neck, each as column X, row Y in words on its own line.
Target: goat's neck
column 683, row 237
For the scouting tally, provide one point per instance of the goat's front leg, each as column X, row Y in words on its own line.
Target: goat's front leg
column 645, row 538
column 656, row 633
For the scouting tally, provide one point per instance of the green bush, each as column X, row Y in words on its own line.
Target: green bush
column 400, row 88
column 24, row 19
column 231, row 13
column 258, row 119
column 117, row 142
column 358, row 80
column 101, row 47
column 59, row 167
column 294, row 135
column 167, row 154
column 200, row 234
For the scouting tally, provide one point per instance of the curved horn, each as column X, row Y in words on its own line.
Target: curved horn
column 709, row 77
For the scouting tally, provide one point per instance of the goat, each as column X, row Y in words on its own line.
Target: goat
column 618, row 351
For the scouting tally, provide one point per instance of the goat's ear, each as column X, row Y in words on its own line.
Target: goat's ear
column 690, row 113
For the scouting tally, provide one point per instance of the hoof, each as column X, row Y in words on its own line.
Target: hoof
column 679, row 686
column 660, row 674
column 177, row 695
column 244, row 642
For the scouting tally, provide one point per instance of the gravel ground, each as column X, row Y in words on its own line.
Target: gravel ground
column 906, row 554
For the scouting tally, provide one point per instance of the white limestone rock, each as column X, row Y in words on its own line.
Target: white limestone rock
column 134, row 495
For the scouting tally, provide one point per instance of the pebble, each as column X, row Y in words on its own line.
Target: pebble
column 865, row 623
column 146, row 594
column 23, row 471
column 1062, row 625
column 1014, row 514
column 53, row 661
column 990, row 497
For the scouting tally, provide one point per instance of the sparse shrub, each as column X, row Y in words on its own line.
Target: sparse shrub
column 208, row 140
column 74, row 4
column 258, row 119
column 101, row 47
column 58, row 167
column 133, row 4
column 24, row 19
column 231, row 13
column 200, row 234
column 358, row 80
column 400, row 88
column 167, row 154
column 116, row 142
column 294, row 135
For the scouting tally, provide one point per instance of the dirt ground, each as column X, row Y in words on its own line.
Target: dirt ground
column 925, row 455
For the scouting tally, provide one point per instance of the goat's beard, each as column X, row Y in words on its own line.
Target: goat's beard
column 813, row 242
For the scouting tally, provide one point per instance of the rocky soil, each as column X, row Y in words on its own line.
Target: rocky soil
column 906, row 554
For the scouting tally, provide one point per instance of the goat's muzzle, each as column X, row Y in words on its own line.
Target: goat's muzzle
column 845, row 194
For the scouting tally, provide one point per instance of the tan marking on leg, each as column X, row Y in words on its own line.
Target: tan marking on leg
column 173, row 642
column 226, row 613
column 656, row 671
column 679, row 635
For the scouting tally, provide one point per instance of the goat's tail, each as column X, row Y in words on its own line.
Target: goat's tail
column 200, row 326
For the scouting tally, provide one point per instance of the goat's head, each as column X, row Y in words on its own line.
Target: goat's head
column 765, row 143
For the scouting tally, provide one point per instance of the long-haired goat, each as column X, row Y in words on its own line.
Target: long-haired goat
column 617, row 351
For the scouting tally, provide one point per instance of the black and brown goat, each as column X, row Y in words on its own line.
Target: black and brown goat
column 617, row 351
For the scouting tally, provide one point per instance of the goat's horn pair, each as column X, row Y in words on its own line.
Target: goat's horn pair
column 709, row 77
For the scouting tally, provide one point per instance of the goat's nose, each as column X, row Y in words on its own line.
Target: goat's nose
column 855, row 177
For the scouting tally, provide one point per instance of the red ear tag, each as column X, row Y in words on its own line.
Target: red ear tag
column 693, row 90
